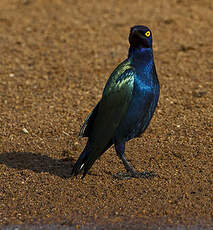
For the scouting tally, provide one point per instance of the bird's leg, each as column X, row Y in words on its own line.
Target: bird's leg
column 120, row 149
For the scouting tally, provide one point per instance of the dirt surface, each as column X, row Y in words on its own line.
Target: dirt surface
column 55, row 57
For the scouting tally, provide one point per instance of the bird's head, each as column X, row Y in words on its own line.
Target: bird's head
column 140, row 37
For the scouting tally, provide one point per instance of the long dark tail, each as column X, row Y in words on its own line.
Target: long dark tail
column 80, row 163
column 87, row 159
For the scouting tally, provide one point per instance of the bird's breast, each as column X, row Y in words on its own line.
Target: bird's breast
column 143, row 86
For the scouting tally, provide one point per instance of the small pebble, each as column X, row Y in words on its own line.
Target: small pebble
column 25, row 130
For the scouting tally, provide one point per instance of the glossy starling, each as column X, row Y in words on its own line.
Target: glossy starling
column 127, row 105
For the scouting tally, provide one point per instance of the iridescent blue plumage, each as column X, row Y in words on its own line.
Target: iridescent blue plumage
column 127, row 105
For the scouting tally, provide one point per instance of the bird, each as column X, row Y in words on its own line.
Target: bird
column 128, row 102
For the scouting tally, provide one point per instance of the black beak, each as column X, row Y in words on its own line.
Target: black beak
column 136, row 38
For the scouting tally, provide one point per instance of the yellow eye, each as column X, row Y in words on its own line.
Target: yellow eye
column 147, row 33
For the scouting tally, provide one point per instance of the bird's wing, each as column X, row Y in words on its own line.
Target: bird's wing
column 86, row 127
column 114, row 102
column 105, row 118
column 113, row 105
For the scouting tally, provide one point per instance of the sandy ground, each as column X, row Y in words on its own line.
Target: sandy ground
column 55, row 57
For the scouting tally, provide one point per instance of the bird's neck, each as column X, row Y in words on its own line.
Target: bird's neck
column 140, row 53
column 141, row 58
column 143, row 62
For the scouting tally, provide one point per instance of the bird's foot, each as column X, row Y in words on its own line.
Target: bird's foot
column 129, row 175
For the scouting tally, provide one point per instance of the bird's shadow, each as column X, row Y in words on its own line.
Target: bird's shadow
column 38, row 163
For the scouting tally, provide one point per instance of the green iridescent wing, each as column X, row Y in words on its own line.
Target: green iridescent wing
column 107, row 114
column 86, row 127
column 101, row 124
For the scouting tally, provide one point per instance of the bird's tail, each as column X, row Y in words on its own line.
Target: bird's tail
column 87, row 159
column 80, row 163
